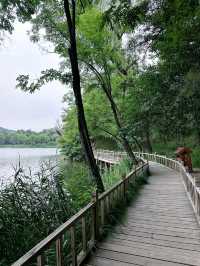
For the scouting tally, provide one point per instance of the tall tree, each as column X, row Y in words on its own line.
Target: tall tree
column 25, row 9
column 84, row 135
column 101, row 53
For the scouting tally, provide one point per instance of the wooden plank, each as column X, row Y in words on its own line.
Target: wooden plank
column 163, row 217
column 157, row 226
column 160, row 253
column 154, row 245
column 130, row 258
column 160, row 237
column 152, row 231
column 162, row 242
column 163, row 225
column 96, row 261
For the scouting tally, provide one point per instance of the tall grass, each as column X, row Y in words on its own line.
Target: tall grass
column 34, row 205
column 115, row 173
column 30, row 208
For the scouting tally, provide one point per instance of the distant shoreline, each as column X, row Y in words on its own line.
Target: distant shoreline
column 29, row 146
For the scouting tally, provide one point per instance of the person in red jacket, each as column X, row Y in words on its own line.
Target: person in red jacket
column 183, row 154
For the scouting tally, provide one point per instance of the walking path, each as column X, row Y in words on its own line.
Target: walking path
column 160, row 228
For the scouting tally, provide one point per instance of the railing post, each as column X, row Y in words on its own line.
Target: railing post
column 73, row 246
column 59, row 255
column 124, row 187
column 154, row 157
column 84, row 237
column 41, row 260
column 95, row 216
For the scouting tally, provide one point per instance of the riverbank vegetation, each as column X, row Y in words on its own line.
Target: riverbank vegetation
column 34, row 205
column 28, row 138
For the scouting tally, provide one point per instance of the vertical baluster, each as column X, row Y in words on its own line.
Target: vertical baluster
column 73, row 246
column 59, row 255
column 198, row 204
column 102, row 212
column 84, row 238
column 118, row 194
column 95, row 216
column 124, row 188
column 107, row 204
column 41, row 260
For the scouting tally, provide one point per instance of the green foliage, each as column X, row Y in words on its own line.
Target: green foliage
column 69, row 141
column 196, row 157
column 115, row 174
column 28, row 137
column 78, row 182
column 35, row 205
column 30, row 209
column 169, row 149
column 10, row 10
column 45, row 77
column 99, row 120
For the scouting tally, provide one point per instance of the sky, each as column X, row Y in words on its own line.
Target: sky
column 20, row 110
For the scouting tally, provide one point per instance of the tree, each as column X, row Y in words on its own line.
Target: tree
column 83, row 130
column 70, row 9
column 22, row 10
column 25, row 9
column 100, row 51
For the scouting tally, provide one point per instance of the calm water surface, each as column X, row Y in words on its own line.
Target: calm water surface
column 29, row 158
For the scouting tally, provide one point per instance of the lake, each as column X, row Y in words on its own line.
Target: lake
column 28, row 157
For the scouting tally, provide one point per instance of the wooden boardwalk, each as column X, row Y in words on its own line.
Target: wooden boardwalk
column 160, row 228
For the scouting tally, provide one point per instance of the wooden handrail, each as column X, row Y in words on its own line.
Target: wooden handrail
column 40, row 247
column 97, row 211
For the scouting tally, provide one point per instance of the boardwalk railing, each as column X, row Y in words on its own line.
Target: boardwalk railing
column 73, row 240
column 191, row 183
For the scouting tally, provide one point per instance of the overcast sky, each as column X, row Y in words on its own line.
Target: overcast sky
column 19, row 110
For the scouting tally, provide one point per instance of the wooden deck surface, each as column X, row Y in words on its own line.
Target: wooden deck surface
column 160, row 228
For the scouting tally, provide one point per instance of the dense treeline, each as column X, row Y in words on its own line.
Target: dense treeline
column 28, row 137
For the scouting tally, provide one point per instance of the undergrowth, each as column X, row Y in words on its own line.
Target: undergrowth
column 36, row 204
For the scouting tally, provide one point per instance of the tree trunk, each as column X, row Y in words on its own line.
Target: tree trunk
column 82, row 125
column 125, row 142
column 107, row 90
column 148, row 144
